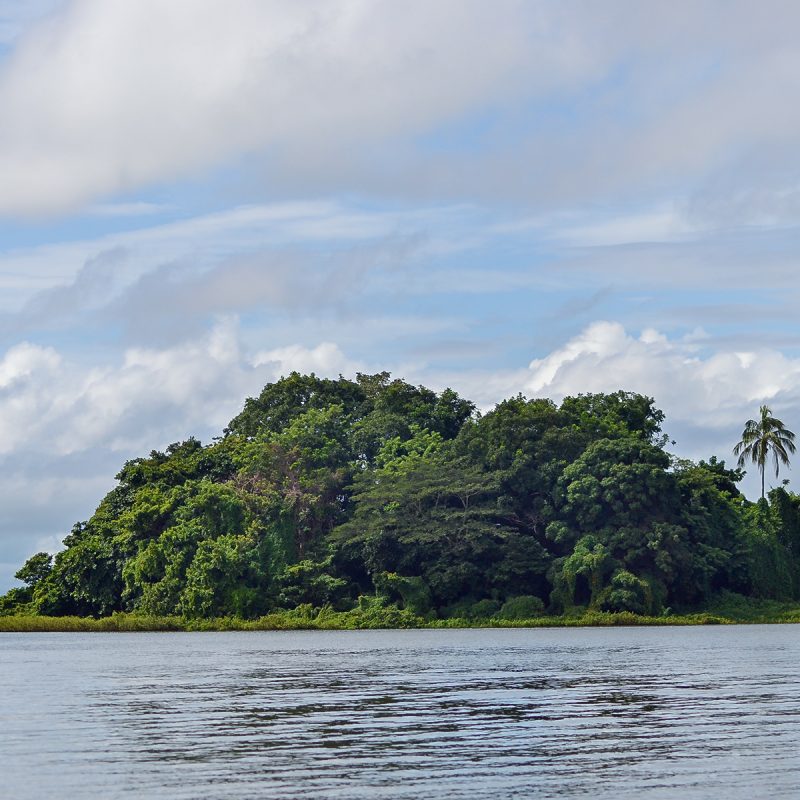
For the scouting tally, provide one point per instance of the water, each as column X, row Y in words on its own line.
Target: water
column 584, row 713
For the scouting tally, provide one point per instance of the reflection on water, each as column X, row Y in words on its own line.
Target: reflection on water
column 617, row 713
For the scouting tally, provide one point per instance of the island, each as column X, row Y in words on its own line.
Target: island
column 372, row 502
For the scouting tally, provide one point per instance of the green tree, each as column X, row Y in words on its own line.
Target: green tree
column 324, row 491
column 763, row 437
column 35, row 569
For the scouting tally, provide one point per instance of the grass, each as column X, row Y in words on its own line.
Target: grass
column 729, row 609
column 118, row 622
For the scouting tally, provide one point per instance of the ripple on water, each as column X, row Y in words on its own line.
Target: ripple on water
column 622, row 713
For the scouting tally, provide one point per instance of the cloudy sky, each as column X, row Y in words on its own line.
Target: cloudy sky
column 517, row 196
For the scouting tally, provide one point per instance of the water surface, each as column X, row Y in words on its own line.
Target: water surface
column 586, row 713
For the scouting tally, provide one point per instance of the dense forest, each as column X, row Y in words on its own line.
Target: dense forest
column 335, row 493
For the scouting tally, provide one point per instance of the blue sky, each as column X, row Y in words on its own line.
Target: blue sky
column 521, row 196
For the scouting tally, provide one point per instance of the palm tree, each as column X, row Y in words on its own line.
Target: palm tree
column 762, row 436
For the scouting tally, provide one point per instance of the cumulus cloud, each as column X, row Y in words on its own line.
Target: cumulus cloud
column 707, row 391
column 707, row 395
column 50, row 404
column 326, row 360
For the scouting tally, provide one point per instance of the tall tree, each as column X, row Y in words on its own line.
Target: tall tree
column 761, row 437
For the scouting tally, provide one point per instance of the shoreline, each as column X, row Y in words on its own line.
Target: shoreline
column 326, row 620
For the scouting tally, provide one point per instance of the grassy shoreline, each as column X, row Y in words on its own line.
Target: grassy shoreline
column 304, row 618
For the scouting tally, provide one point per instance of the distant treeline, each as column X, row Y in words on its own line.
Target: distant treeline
column 336, row 493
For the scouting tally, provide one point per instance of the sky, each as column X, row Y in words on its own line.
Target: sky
column 546, row 198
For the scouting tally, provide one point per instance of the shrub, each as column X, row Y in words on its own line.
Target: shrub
column 484, row 609
column 526, row 606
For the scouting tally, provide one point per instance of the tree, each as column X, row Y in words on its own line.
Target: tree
column 760, row 438
column 35, row 569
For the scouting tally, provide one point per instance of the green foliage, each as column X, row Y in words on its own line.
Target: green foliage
column 579, row 578
column 616, row 415
column 35, row 569
column 764, row 437
column 85, row 579
column 626, row 592
column 437, row 521
column 311, row 583
column 770, row 565
column 468, row 609
column 412, row 592
column 16, row 601
column 522, row 607
column 373, row 502
column 400, row 456
column 279, row 403
column 216, row 581
column 484, row 609
column 372, row 612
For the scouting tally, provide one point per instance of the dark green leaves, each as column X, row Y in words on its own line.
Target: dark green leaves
column 328, row 492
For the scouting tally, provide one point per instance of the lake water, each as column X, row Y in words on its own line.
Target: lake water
column 587, row 713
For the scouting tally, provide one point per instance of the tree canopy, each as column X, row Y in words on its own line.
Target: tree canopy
column 326, row 492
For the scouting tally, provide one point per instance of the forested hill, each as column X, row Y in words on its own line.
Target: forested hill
column 326, row 492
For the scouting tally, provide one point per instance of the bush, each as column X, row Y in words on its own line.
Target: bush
column 16, row 601
column 484, row 609
column 526, row 606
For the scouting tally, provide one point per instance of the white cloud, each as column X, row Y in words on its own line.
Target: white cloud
column 155, row 395
column 706, row 396
column 49, row 404
column 209, row 239
column 131, row 93
column 340, row 95
column 325, row 360
column 23, row 360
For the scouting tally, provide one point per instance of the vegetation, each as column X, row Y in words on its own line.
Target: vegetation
column 762, row 437
column 728, row 609
column 375, row 503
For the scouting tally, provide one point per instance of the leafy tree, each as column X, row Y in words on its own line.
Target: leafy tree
column 35, row 569
column 222, row 579
column 770, row 566
column 762, row 437
column 86, row 578
column 627, row 593
column 619, row 414
column 785, row 510
column 436, row 520
column 398, row 501
column 590, row 561
column 312, row 583
column 280, row 402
